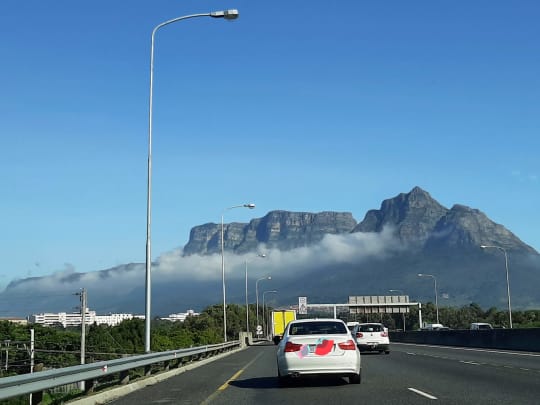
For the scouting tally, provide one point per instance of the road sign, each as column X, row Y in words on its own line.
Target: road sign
column 302, row 305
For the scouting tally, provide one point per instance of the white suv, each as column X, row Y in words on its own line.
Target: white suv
column 372, row 337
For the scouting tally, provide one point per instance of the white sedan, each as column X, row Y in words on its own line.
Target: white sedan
column 318, row 347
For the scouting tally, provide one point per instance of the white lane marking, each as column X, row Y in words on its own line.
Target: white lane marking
column 411, row 354
column 424, row 394
column 470, row 362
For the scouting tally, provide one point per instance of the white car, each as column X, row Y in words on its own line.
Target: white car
column 318, row 347
column 372, row 337
column 481, row 326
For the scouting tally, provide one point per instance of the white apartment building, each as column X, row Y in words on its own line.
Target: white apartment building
column 74, row 319
column 180, row 317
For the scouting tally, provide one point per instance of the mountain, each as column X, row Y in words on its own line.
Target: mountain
column 418, row 221
column 422, row 223
column 324, row 256
column 283, row 230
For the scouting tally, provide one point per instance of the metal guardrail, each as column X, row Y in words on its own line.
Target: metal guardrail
column 503, row 339
column 44, row 380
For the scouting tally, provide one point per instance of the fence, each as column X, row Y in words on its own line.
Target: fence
column 117, row 370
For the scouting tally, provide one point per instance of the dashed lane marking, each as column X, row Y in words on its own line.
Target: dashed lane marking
column 422, row 393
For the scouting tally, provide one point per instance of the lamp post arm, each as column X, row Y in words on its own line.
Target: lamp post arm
column 148, row 289
column 507, row 287
column 507, row 278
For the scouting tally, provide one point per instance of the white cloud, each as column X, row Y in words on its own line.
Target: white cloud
column 173, row 267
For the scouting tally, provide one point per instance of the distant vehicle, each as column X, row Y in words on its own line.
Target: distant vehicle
column 372, row 337
column 435, row 326
column 318, row 347
column 481, row 326
column 352, row 324
column 280, row 320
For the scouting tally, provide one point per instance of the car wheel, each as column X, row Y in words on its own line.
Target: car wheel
column 283, row 380
column 355, row 378
column 387, row 352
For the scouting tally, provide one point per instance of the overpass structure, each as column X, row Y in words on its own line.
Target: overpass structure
column 374, row 304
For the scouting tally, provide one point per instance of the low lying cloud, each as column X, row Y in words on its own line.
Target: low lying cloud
column 172, row 267
column 344, row 248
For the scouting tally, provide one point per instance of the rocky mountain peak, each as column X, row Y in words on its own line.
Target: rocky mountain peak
column 412, row 215
column 468, row 228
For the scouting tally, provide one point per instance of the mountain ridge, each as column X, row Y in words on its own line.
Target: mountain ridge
column 326, row 255
column 419, row 222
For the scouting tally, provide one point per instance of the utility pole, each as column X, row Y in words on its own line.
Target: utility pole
column 31, row 357
column 7, row 353
column 84, row 305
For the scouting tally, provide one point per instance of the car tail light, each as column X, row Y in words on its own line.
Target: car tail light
column 292, row 347
column 359, row 334
column 348, row 345
column 384, row 334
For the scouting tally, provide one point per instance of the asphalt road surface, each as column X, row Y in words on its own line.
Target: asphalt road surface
column 410, row 374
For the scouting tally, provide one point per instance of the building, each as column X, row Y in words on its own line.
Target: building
column 180, row 317
column 74, row 319
column 20, row 321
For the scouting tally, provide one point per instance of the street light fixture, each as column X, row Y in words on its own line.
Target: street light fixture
column 228, row 15
column 257, row 294
column 436, row 294
column 507, row 277
column 402, row 293
column 250, row 206
column 265, row 324
column 247, row 301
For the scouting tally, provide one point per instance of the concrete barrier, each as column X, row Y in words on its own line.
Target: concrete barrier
column 504, row 339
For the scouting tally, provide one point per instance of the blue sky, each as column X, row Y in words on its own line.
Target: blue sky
column 301, row 106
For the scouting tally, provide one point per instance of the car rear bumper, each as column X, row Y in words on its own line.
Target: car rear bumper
column 384, row 347
column 293, row 365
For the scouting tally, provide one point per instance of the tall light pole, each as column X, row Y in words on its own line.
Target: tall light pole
column 436, row 294
column 265, row 325
column 507, row 278
column 247, row 301
column 257, row 293
column 228, row 15
column 250, row 206
column 402, row 293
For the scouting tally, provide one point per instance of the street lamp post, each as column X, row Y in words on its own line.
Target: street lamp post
column 257, row 294
column 402, row 293
column 250, row 206
column 265, row 324
column 228, row 15
column 247, row 301
column 436, row 294
column 507, row 278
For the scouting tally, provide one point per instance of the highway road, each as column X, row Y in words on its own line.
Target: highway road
column 410, row 374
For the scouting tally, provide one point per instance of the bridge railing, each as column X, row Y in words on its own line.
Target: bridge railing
column 92, row 373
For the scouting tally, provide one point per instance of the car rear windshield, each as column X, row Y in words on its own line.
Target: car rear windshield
column 318, row 328
column 371, row 328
